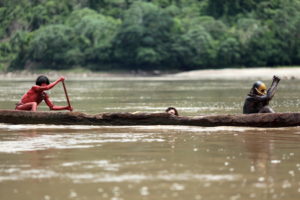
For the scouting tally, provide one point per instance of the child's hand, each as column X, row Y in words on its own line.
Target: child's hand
column 61, row 78
column 70, row 108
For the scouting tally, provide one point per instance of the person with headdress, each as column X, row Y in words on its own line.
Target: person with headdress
column 257, row 101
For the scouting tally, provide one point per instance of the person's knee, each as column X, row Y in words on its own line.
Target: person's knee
column 266, row 109
column 33, row 106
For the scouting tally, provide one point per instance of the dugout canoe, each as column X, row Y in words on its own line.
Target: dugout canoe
column 131, row 119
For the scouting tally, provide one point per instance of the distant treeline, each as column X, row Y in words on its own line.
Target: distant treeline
column 148, row 34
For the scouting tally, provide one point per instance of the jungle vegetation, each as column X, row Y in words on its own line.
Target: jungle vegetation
column 148, row 34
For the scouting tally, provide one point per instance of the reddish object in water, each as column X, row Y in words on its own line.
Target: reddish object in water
column 132, row 119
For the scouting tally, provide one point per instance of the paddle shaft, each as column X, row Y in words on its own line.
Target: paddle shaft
column 66, row 93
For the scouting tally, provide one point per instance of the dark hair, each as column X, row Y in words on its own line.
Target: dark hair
column 172, row 108
column 42, row 79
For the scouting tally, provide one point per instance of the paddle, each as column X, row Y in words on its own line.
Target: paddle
column 66, row 93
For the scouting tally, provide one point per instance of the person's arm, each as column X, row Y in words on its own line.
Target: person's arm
column 259, row 98
column 48, row 87
column 54, row 107
column 271, row 91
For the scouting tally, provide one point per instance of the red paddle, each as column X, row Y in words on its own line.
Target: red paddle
column 66, row 93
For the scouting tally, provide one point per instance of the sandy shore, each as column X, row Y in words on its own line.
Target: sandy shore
column 235, row 74
column 241, row 74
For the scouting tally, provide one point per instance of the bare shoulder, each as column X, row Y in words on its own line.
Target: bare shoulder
column 35, row 87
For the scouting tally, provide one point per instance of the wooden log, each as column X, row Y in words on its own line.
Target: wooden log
column 110, row 119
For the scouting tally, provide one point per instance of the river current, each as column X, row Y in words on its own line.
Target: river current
column 50, row 162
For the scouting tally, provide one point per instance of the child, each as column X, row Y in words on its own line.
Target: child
column 37, row 94
column 259, row 97
column 172, row 111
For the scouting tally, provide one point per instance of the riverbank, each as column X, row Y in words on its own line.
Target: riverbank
column 242, row 74
column 235, row 74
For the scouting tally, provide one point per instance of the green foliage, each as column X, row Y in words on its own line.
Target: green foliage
column 219, row 8
column 229, row 53
column 195, row 49
column 262, row 49
column 47, row 12
column 19, row 43
column 144, row 37
column 216, row 28
column 143, row 34
column 94, row 34
column 50, row 45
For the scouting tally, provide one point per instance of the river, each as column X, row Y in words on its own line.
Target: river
column 50, row 162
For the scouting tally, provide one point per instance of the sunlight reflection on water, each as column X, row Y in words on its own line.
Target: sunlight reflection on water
column 71, row 141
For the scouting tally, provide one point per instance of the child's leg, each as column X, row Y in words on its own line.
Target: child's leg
column 32, row 106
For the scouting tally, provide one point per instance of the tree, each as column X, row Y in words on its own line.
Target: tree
column 219, row 8
column 144, row 38
column 195, row 49
column 149, row 34
column 229, row 52
column 20, row 44
column 285, row 24
column 50, row 44
column 94, row 35
column 216, row 28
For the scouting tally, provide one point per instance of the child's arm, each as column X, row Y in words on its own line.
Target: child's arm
column 54, row 107
column 48, row 87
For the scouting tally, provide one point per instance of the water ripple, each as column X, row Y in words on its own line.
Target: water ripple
column 71, row 141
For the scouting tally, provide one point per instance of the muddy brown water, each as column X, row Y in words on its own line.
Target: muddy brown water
column 150, row 162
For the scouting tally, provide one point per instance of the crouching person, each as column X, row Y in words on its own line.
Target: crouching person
column 259, row 97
